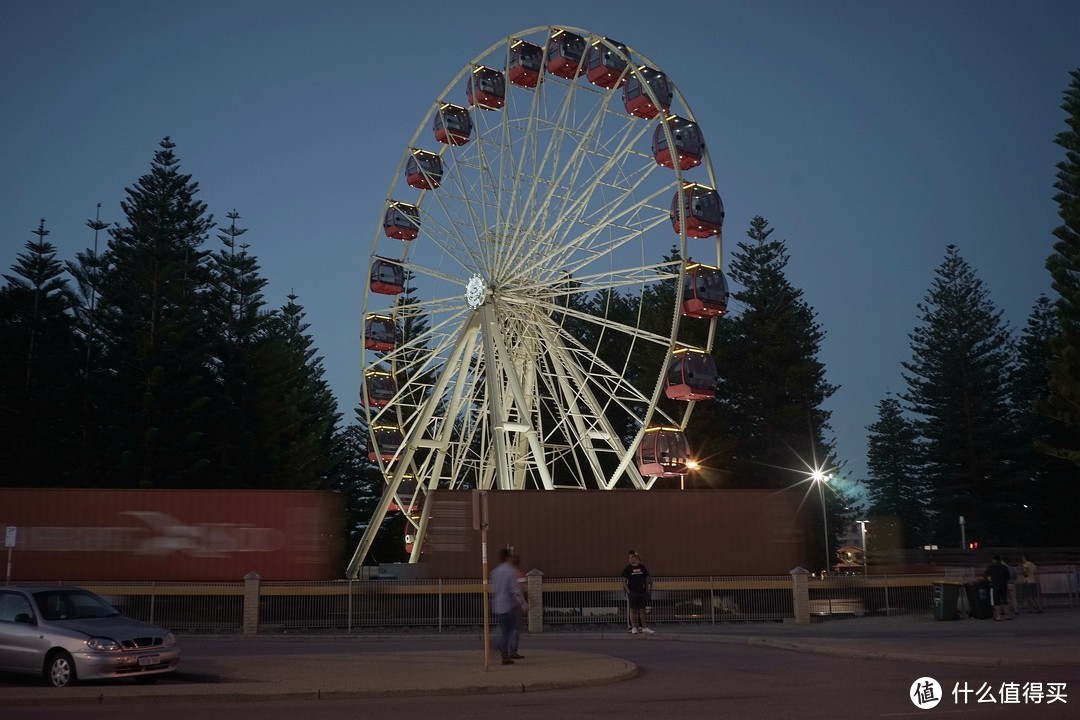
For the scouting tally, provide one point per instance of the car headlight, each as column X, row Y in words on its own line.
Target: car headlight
column 102, row 644
column 170, row 639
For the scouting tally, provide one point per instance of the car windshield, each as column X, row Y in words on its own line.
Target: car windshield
column 72, row 605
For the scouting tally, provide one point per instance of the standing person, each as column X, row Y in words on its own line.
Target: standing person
column 1028, row 584
column 637, row 584
column 522, row 610
column 1014, row 575
column 506, row 600
column 997, row 574
column 630, row 628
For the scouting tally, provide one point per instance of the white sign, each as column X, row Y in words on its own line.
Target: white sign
column 9, row 540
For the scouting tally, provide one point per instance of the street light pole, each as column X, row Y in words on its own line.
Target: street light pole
column 821, row 478
column 865, row 561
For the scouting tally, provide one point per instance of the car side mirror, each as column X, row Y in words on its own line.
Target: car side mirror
column 25, row 618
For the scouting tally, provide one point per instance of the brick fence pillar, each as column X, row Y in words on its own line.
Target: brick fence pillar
column 800, row 595
column 535, row 580
column 251, row 603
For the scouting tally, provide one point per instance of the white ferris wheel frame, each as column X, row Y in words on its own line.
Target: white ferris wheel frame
column 525, row 218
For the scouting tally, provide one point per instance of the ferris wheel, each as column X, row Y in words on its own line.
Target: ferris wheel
column 551, row 226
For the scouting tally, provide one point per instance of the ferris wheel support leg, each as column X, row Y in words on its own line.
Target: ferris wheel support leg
column 494, row 392
column 421, row 530
column 493, row 338
column 377, row 518
column 368, row 537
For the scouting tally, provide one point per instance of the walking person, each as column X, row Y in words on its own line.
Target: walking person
column 997, row 574
column 522, row 610
column 506, row 601
column 637, row 584
column 1028, row 584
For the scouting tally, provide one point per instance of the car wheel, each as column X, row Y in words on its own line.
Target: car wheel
column 59, row 669
column 147, row 679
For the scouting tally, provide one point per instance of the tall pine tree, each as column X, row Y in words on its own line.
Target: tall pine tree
column 1063, row 401
column 153, row 329
column 1051, row 501
column 770, row 428
column 297, row 412
column 39, row 368
column 898, row 503
column 962, row 358
column 771, row 424
column 235, row 308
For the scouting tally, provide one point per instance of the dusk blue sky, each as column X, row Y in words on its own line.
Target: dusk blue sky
column 871, row 135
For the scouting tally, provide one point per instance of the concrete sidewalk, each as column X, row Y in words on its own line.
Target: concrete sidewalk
column 272, row 667
column 1051, row 638
column 428, row 672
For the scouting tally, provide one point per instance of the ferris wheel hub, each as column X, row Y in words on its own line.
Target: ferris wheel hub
column 475, row 291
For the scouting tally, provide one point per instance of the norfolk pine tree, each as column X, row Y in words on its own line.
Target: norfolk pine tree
column 235, row 307
column 297, row 412
column 771, row 424
column 957, row 380
column 897, row 500
column 1049, row 486
column 770, row 429
column 39, row 368
column 1063, row 400
column 153, row 330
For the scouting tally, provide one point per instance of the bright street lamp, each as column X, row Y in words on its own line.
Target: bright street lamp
column 865, row 561
column 820, row 479
column 691, row 465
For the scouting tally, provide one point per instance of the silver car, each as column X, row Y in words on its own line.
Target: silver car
column 67, row 634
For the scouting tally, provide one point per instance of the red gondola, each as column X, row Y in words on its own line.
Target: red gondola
column 423, row 170
column 452, row 124
column 636, row 99
column 401, row 221
column 380, row 388
column 486, row 88
column 605, row 66
column 524, row 64
column 564, row 54
column 705, row 292
column 689, row 143
column 387, row 276
column 387, row 441
column 691, row 375
column 663, row 452
column 704, row 210
column 380, row 333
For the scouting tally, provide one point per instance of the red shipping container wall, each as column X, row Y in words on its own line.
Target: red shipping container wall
column 173, row 535
column 576, row 533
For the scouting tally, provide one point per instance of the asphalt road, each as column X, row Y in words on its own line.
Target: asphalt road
column 678, row 679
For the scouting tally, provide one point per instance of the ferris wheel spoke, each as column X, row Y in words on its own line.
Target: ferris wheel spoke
column 575, row 285
column 590, row 416
column 588, row 241
column 628, row 331
column 577, row 200
column 443, row 229
column 549, row 167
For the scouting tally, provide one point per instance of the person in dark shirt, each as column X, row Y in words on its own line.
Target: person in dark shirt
column 637, row 583
column 997, row 574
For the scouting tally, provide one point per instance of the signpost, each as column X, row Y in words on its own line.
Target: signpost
column 9, row 543
column 480, row 522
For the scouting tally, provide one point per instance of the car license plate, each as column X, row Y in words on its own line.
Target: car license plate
column 145, row 660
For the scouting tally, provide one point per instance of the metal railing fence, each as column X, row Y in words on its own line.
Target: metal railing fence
column 253, row 606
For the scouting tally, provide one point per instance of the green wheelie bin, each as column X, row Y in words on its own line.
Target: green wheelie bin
column 946, row 597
